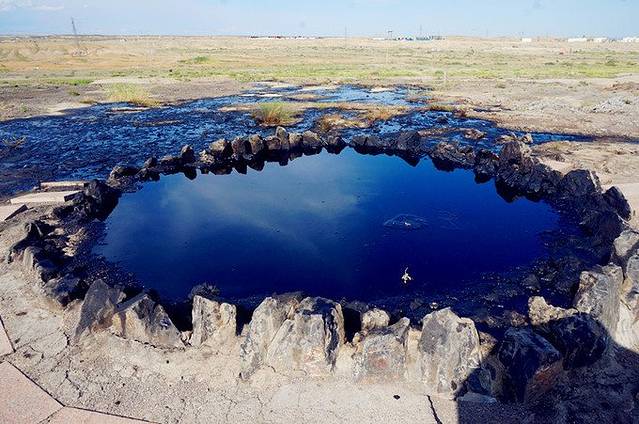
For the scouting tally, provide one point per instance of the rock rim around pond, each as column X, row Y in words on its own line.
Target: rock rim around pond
column 297, row 335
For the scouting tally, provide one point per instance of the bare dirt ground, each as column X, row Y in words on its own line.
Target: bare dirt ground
column 550, row 86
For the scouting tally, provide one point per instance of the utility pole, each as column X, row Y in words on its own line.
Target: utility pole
column 78, row 50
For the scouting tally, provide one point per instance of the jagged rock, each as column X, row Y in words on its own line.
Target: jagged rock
column 527, row 138
column 62, row 289
column 531, row 282
column 450, row 155
column 381, row 353
column 282, row 135
column 238, row 145
column 540, row 312
column 99, row 199
column 34, row 261
column 370, row 143
column 122, row 171
column 474, row 134
column 335, row 141
column 449, row 350
column 311, row 141
column 578, row 183
column 221, row 149
column 170, row 162
column 599, row 295
column 272, row 144
column 295, row 140
column 255, row 144
column 187, row 155
column 32, row 234
column 150, row 162
column 514, row 153
column 267, row 319
column 486, row 163
column 631, row 285
column 531, row 364
column 615, row 198
column 98, row 307
column 143, row 320
column 408, row 141
column 374, row 318
column 520, row 172
column 627, row 241
column 214, row 323
column 579, row 338
column 310, row 339
column 507, row 138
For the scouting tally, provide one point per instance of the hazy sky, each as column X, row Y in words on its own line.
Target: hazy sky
column 613, row 18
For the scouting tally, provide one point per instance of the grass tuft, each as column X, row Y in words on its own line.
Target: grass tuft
column 274, row 113
column 131, row 93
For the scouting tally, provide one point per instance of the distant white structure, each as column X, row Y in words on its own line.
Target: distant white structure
column 578, row 40
column 526, row 40
column 600, row 39
column 630, row 40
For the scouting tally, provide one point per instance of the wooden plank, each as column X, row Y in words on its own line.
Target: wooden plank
column 51, row 197
column 9, row 211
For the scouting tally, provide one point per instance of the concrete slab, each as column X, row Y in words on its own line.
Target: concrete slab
column 5, row 343
column 9, row 211
column 74, row 415
column 63, row 184
column 21, row 400
column 45, row 197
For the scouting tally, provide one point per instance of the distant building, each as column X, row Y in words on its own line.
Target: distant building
column 630, row 40
column 526, row 40
column 578, row 40
column 600, row 39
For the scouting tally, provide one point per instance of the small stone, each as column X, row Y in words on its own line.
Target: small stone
column 295, row 140
column 256, row 144
column 374, row 318
column 98, row 307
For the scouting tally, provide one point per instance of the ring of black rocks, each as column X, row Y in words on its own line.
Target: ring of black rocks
column 291, row 333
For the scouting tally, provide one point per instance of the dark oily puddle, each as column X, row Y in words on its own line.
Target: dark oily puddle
column 88, row 143
column 346, row 227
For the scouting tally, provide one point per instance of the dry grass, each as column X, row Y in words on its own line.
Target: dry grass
column 332, row 121
column 131, row 93
column 272, row 114
column 383, row 113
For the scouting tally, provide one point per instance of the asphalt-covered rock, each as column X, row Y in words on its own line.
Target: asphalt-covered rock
column 580, row 339
column 143, row 320
column 615, row 198
column 99, row 199
column 220, row 149
column 122, row 171
column 310, row 339
column 311, row 141
column 625, row 244
column 531, row 364
column 381, row 354
column 631, row 285
column 522, row 174
column 239, row 147
column 452, row 155
column 187, row 155
column 486, row 163
column 255, row 144
column 449, row 351
column 599, row 295
column 408, row 141
column 214, row 323
column 267, row 319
